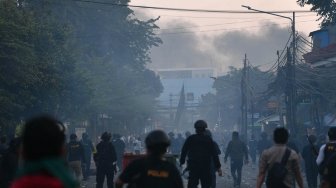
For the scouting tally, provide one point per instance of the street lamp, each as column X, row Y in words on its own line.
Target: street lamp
column 291, row 106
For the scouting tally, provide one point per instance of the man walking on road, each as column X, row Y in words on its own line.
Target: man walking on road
column 88, row 150
column 152, row 171
column 119, row 146
column 237, row 151
column 326, row 160
column 253, row 149
column 105, row 159
column 75, row 156
column 200, row 150
column 213, row 170
column 280, row 163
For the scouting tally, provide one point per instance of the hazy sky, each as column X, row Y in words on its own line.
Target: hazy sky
column 220, row 40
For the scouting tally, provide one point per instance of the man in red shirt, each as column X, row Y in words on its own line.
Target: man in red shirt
column 43, row 149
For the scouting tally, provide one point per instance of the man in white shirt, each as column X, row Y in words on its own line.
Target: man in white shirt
column 326, row 158
column 332, row 141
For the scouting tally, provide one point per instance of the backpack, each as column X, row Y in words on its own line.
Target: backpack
column 277, row 173
column 329, row 150
column 330, row 170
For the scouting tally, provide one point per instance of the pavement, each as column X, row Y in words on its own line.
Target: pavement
column 249, row 178
column 249, row 175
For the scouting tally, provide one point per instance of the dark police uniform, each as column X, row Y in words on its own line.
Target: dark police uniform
column 200, row 150
column 105, row 159
column 152, row 173
column 75, row 151
column 237, row 150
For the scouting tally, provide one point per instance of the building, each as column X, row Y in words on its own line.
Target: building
column 323, row 56
column 195, row 81
column 323, row 53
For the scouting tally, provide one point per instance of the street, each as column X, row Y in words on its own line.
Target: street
column 248, row 178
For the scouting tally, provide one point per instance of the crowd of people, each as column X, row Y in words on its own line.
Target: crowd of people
column 41, row 158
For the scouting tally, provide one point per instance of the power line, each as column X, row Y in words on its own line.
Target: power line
column 189, row 10
column 211, row 25
column 221, row 17
column 274, row 67
column 222, row 24
column 214, row 30
column 305, row 41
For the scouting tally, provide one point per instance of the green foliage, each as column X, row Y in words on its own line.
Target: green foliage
column 75, row 60
column 228, row 95
column 33, row 61
column 324, row 8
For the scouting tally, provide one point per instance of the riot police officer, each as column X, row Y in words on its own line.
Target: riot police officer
column 152, row 170
column 105, row 160
column 201, row 151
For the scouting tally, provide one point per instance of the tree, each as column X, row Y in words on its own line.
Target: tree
column 36, row 64
column 75, row 60
column 111, row 53
column 324, row 8
column 228, row 95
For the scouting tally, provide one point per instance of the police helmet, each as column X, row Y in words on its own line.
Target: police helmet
column 200, row 124
column 106, row 136
column 157, row 138
column 332, row 133
column 73, row 136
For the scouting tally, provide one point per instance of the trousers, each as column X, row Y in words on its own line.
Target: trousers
column 200, row 173
column 102, row 172
column 236, row 171
column 76, row 168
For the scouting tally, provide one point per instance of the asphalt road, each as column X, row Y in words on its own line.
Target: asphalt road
column 248, row 178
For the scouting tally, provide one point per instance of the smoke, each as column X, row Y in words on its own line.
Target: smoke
column 180, row 50
column 260, row 46
column 188, row 49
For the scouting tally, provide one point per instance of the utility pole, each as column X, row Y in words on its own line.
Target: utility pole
column 290, row 75
column 244, row 100
column 279, row 95
column 249, row 67
column 171, row 115
column 252, row 113
column 293, row 127
column 290, row 94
